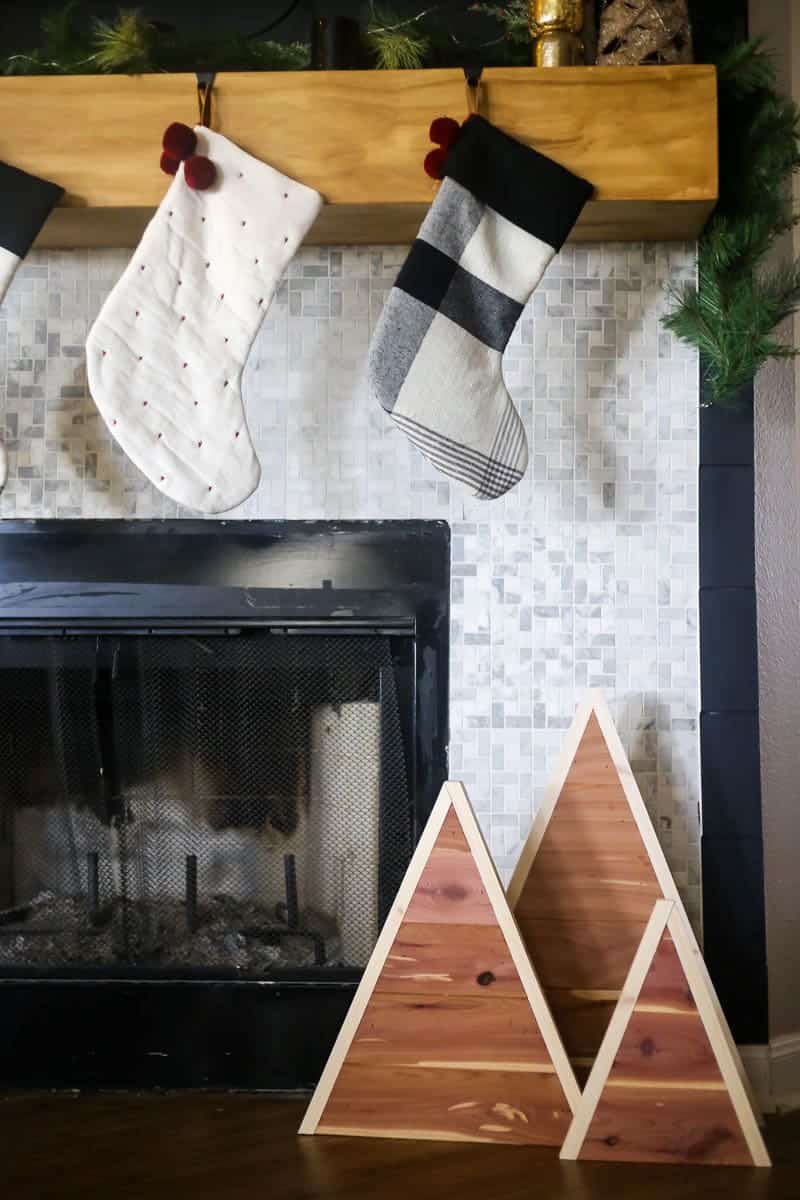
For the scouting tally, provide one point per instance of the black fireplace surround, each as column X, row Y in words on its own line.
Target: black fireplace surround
column 219, row 743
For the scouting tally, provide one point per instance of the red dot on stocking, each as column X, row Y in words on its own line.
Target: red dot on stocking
column 199, row 444
column 237, row 433
column 163, row 477
column 210, row 488
column 144, row 404
column 185, row 364
column 161, row 435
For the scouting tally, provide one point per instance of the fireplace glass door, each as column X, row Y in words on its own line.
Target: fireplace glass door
column 201, row 802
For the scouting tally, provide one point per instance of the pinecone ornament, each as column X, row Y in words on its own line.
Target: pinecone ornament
column 644, row 32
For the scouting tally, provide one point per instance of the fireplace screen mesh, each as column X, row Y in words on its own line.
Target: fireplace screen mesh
column 193, row 802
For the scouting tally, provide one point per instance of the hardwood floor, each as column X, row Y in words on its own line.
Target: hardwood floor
column 240, row 1147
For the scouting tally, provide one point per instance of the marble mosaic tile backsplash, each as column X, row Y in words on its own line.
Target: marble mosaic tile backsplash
column 584, row 575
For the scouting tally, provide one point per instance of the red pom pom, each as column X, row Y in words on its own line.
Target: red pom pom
column 199, row 172
column 179, row 140
column 434, row 161
column 444, row 131
column 169, row 163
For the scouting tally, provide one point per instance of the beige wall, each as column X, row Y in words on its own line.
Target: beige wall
column 777, row 442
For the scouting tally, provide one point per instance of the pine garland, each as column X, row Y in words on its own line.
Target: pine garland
column 731, row 315
column 133, row 45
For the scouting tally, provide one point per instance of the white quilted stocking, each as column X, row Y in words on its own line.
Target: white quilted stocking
column 165, row 356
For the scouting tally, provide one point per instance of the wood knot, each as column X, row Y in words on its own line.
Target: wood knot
column 485, row 978
column 647, row 1047
column 611, row 1141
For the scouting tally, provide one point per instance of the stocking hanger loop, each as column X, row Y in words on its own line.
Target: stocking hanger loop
column 205, row 84
column 472, row 75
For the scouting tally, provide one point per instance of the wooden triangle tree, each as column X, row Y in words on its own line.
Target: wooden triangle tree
column 665, row 1086
column 449, row 1035
column 586, row 882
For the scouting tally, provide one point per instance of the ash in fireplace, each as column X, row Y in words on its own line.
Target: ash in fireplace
column 57, row 931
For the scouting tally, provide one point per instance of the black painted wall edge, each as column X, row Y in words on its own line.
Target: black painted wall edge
column 732, row 850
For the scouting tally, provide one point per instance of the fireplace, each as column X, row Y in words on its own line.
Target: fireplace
column 220, row 743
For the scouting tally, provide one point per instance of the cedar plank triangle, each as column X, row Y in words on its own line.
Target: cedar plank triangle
column 585, row 884
column 449, row 1035
column 665, row 1086
column 587, row 879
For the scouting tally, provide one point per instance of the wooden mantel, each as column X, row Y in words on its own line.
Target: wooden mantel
column 645, row 136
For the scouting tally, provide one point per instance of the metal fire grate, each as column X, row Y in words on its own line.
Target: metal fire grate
column 186, row 802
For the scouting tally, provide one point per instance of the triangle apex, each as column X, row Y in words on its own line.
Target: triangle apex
column 595, row 699
column 454, row 787
column 460, row 802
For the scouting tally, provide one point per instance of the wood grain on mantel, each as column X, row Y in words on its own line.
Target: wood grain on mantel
column 645, row 136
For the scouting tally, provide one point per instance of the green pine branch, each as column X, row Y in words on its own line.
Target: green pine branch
column 512, row 18
column 732, row 315
column 126, row 44
column 397, row 45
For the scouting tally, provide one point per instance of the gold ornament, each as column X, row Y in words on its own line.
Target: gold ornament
column 640, row 32
column 555, row 27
